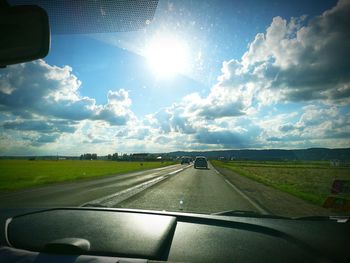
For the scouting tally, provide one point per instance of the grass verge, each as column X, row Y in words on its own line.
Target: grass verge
column 310, row 181
column 20, row 174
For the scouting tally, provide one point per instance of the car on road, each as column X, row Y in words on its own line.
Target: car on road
column 200, row 162
column 186, row 160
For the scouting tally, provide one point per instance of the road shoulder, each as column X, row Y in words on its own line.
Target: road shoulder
column 272, row 200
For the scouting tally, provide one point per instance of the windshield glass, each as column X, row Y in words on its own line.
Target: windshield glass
column 259, row 88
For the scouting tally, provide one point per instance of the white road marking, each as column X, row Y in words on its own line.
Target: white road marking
column 253, row 203
column 174, row 172
column 113, row 199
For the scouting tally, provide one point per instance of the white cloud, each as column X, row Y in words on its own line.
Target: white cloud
column 40, row 104
column 293, row 61
column 303, row 62
column 315, row 124
column 40, row 89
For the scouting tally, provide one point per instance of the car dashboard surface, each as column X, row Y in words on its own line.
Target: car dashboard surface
column 109, row 235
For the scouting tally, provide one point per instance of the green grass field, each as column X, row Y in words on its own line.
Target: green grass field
column 20, row 174
column 310, row 181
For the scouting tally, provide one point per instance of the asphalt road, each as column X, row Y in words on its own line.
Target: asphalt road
column 79, row 192
column 192, row 190
column 173, row 188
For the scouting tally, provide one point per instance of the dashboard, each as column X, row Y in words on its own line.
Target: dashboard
column 126, row 235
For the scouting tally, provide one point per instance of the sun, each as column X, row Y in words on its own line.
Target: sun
column 167, row 56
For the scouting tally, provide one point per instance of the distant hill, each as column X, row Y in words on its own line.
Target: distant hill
column 312, row 154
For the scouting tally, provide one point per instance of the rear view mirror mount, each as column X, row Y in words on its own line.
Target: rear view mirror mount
column 24, row 33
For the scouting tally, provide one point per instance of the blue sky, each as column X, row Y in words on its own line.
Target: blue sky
column 224, row 29
column 255, row 74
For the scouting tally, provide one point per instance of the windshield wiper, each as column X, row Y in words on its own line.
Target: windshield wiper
column 248, row 213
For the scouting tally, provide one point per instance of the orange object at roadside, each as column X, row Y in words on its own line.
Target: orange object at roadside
column 339, row 200
column 337, row 204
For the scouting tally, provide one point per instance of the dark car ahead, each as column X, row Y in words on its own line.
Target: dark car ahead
column 186, row 160
column 200, row 162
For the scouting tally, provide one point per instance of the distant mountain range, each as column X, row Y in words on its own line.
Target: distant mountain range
column 312, row 154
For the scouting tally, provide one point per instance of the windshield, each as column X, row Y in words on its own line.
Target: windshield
column 259, row 88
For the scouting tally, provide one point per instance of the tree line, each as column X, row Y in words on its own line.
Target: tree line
column 88, row 156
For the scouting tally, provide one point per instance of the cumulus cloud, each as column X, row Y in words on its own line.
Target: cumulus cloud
column 314, row 123
column 172, row 119
column 221, row 102
column 302, row 62
column 45, row 126
column 293, row 61
column 40, row 103
column 38, row 88
column 297, row 61
column 46, row 138
column 116, row 111
column 226, row 138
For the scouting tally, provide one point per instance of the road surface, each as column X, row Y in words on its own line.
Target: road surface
column 79, row 192
column 192, row 190
column 173, row 188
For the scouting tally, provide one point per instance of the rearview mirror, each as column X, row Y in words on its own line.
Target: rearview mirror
column 24, row 34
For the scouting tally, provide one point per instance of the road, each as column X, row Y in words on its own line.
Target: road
column 79, row 192
column 192, row 190
column 173, row 188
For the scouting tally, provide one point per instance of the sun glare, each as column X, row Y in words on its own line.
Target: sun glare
column 167, row 56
